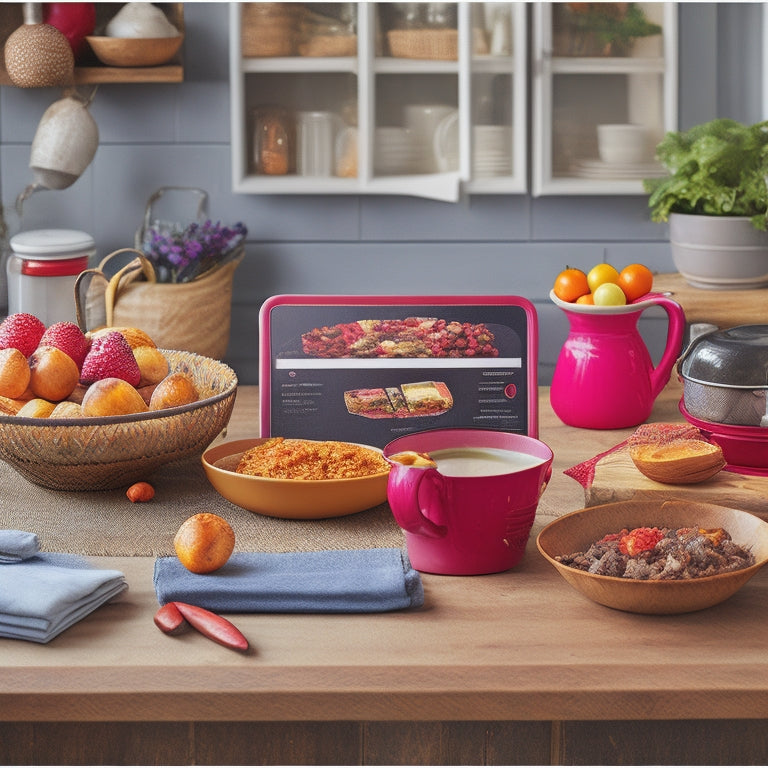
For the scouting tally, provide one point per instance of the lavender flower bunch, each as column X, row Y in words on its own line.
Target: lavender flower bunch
column 181, row 256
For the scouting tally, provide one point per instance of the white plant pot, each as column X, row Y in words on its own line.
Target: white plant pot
column 719, row 252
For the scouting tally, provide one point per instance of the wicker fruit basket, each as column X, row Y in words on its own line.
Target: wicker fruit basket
column 101, row 453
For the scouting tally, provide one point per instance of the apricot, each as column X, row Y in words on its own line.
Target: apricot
column 174, row 390
column 152, row 363
column 66, row 409
column 37, row 408
column 14, row 373
column 54, row 374
column 134, row 336
column 112, row 397
column 204, row 542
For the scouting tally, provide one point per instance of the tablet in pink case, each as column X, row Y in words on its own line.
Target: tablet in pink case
column 368, row 369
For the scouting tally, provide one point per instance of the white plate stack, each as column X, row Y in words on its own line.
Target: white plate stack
column 491, row 150
column 395, row 151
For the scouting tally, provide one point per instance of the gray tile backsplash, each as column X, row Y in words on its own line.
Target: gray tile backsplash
column 178, row 134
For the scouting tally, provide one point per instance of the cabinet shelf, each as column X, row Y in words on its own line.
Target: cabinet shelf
column 90, row 71
column 374, row 91
column 614, row 65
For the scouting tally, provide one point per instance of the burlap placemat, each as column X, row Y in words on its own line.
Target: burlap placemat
column 106, row 523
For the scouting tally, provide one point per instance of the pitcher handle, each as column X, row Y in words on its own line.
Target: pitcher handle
column 660, row 374
column 403, row 496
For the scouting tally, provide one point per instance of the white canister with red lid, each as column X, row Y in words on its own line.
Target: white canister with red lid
column 42, row 269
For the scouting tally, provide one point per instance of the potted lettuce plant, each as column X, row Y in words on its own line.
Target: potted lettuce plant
column 715, row 199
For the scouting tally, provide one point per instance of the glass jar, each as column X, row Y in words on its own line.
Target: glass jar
column 274, row 141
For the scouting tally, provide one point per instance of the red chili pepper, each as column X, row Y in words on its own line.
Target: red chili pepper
column 213, row 626
column 169, row 620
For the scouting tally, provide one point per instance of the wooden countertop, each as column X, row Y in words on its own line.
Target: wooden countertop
column 723, row 308
column 520, row 645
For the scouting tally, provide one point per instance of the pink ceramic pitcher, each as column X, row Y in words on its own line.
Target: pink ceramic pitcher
column 604, row 377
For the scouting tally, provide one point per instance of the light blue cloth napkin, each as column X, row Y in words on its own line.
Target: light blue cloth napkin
column 16, row 546
column 336, row 581
column 43, row 595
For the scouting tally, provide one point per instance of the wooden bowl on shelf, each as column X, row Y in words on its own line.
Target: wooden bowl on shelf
column 135, row 51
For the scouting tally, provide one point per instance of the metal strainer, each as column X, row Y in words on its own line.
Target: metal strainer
column 725, row 376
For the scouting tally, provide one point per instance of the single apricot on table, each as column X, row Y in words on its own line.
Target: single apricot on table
column 204, row 542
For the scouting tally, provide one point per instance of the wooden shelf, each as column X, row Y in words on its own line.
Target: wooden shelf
column 89, row 69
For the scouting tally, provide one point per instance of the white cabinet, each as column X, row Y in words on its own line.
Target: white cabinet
column 586, row 75
column 422, row 99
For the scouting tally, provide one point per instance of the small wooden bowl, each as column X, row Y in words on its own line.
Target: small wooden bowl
column 680, row 462
column 575, row 532
column 135, row 51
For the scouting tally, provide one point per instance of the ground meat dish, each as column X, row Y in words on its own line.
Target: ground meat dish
column 662, row 554
column 295, row 459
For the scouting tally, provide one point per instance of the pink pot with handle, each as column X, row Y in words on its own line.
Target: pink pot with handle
column 604, row 377
column 460, row 525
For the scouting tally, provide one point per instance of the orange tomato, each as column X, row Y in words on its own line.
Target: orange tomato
column 635, row 280
column 587, row 298
column 570, row 284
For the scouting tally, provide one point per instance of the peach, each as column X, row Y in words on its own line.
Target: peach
column 204, row 542
column 54, row 374
column 112, row 397
column 14, row 373
column 152, row 365
column 174, row 390
column 134, row 336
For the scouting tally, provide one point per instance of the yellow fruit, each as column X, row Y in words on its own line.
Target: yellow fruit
column 204, row 542
column 37, row 408
column 601, row 273
column 152, row 365
column 174, row 390
column 609, row 295
column 134, row 336
column 67, row 410
column 54, row 374
column 14, row 373
column 112, row 397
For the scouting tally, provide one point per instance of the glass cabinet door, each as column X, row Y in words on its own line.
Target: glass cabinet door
column 605, row 93
column 423, row 98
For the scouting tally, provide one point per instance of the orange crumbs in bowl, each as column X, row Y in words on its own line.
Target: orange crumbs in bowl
column 294, row 459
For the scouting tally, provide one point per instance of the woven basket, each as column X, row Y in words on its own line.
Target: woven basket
column 442, row 44
column 101, row 453
column 270, row 29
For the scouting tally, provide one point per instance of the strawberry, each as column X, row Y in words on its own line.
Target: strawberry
column 21, row 331
column 68, row 338
column 110, row 356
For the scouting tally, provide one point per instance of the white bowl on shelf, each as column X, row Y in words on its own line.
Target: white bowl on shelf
column 622, row 143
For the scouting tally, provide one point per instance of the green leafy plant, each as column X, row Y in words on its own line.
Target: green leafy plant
column 615, row 25
column 715, row 169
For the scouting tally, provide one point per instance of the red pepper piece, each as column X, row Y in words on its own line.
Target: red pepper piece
column 169, row 620
column 213, row 626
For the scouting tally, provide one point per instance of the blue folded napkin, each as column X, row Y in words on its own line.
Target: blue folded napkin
column 337, row 581
column 16, row 546
column 42, row 595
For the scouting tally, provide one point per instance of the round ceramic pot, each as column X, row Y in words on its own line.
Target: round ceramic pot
column 719, row 252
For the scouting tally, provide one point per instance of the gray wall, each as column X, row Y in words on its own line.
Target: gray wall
column 156, row 134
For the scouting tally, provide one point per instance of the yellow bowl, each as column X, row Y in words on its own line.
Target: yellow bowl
column 100, row 453
column 576, row 531
column 134, row 51
column 290, row 499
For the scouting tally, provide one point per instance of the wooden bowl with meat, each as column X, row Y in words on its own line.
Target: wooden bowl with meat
column 656, row 557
